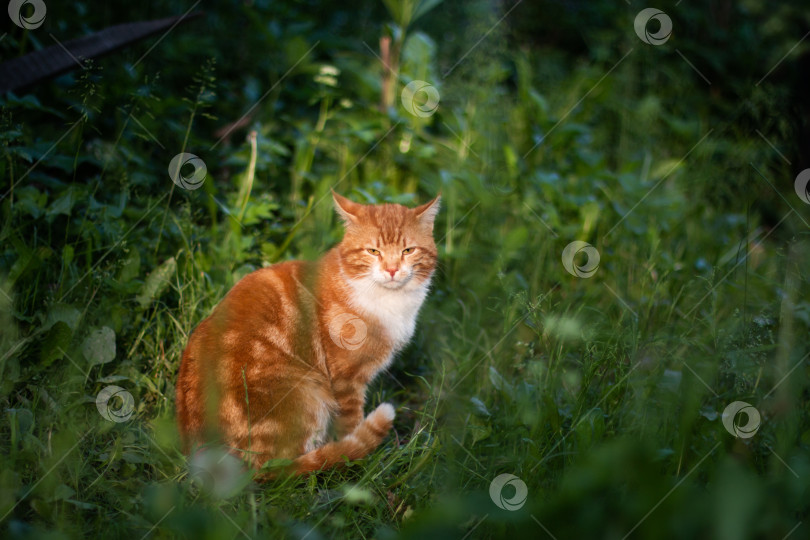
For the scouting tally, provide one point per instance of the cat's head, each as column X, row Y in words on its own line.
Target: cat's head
column 388, row 244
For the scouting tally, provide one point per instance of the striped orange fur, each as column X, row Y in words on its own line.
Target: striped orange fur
column 283, row 362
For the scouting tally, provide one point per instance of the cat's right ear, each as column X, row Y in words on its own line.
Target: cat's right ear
column 347, row 210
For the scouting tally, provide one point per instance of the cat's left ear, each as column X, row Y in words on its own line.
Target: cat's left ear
column 426, row 213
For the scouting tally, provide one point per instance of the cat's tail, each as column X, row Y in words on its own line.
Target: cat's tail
column 359, row 443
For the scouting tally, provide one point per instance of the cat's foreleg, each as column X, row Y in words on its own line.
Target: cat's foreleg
column 350, row 400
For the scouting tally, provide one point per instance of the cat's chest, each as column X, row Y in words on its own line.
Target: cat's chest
column 395, row 311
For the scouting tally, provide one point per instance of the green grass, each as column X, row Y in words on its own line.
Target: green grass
column 603, row 394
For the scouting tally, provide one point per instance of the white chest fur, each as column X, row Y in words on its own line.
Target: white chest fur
column 395, row 310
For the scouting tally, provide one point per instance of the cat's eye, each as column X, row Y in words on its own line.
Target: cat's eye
column 373, row 251
column 408, row 250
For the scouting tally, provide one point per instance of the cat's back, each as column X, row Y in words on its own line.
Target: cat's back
column 267, row 300
column 255, row 320
column 266, row 297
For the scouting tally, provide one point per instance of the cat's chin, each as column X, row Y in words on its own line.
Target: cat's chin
column 393, row 285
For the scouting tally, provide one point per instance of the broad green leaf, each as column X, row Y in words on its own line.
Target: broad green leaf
column 499, row 382
column 56, row 341
column 423, row 7
column 99, row 346
column 479, row 428
column 62, row 313
column 63, row 204
column 130, row 267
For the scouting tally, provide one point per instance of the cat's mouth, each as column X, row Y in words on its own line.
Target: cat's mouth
column 394, row 284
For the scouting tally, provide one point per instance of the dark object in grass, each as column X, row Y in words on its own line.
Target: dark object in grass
column 34, row 67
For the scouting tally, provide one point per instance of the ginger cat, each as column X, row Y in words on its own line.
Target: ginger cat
column 292, row 347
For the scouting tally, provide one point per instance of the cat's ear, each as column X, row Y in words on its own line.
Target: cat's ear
column 348, row 211
column 426, row 213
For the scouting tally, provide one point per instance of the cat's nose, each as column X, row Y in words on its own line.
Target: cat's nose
column 392, row 271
